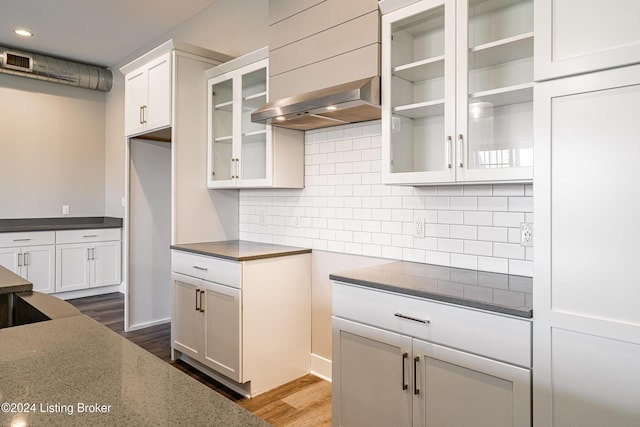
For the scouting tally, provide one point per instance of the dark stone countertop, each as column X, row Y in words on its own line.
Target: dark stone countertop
column 500, row 293
column 52, row 224
column 239, row 250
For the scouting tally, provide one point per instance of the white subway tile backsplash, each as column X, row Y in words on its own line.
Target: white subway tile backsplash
column 463, row 232
column 493, row 203
column 450, row 217
column 507, row 219
column 345, row 208
column 478, row 218
column 463, row 203
column 508, row 250
column 493, row 234
column 521, row 204
column 508, row 190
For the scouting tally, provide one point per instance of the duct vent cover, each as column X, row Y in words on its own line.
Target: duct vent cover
column 18, row 62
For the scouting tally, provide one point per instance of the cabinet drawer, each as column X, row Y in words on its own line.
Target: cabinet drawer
column 92, row 235
column 27, row 238
column 492, row 335
column 208, row 268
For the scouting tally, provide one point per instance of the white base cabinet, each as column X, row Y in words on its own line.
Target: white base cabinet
column 385, row 377
column 87, row 259
column 31, row 256
column 247, row 324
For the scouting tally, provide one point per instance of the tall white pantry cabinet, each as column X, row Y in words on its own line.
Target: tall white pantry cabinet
column 586, row 352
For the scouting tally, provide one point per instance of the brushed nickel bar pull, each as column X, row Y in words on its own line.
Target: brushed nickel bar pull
column 460, row 150
column 21, row 240
column 20, row 260
column 416, row 390
column 414, row 319
column 449, row 151
column 201, row 308
column 405, row 356
column 86, row 236
column 27, row 258
column 140, row 115
column 88, row 254
column 144, row 114
column 197, row 292
column 200, row 268
column 93, row 253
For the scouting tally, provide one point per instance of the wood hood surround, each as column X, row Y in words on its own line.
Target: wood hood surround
column 323, row 46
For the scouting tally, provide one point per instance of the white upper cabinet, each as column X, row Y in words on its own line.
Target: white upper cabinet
column 457, row 92
column 243, row 154
column 577, row 36
column 148, row 97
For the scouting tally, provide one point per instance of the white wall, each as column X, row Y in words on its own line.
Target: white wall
column 51, row 149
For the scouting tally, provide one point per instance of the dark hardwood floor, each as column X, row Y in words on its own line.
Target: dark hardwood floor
column 303, row 402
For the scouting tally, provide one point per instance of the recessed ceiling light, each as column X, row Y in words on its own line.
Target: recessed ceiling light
column 332, row 108
column 22, row 32
column 280, row 118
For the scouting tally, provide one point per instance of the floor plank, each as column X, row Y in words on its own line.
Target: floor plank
column 304, row 402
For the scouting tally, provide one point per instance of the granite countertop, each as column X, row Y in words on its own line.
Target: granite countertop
column 500, row 293
column 73, row 371
column 11, row 282
column 240, row 250
column 53, row 224
column 64, row 366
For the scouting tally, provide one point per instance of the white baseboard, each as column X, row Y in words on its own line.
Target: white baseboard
column 87, row 292
column 148, row 324
column 321, row 367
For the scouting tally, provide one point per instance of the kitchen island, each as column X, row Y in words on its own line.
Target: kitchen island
column 71, row 370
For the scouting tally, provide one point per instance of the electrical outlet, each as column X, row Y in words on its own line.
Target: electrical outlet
column 65, row 209
column 296, row 221
column 526, row 234
column 263, row 219
column 418, row 227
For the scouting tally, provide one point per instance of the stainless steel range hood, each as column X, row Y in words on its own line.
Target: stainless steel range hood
column 346, row 103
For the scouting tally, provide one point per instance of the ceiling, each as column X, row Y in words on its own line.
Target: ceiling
column 100, row 32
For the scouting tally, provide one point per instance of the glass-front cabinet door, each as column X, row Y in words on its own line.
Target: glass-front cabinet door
column 239, row 150
column 494, row 140
column 254, row 156
column 457, row 92
column 221, row 157
column 418, row 93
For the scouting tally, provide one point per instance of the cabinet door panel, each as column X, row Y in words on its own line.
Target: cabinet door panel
column 595, row 380
column 40, row 267
column 135, row 98
column 106, row 258
column 9, row 259
column 72, row 267
column 567, row 44
column 461, row 389
column 186, row 323
column 371, row 378
column 158, row 112
column 605, row 121
column 222, row 330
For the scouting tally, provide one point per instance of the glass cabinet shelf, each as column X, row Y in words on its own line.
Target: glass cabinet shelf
column 255, row 136
column 505, row 95
column 421, row 109
column 500, row 51
column 421, row 70
column 224, row 106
